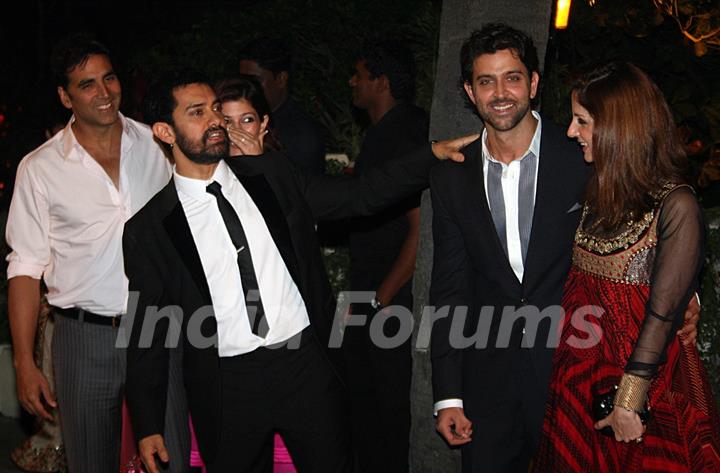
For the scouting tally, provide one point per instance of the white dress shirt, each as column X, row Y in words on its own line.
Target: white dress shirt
column 510, row 180
column 66, row 217
column 285, row 310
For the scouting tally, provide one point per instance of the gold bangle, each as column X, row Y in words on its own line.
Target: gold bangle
column 632, row 392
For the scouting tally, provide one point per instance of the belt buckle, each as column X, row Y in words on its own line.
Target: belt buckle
column 115, row 321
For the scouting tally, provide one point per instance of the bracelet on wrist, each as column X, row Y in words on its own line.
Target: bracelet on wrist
column 632, row 392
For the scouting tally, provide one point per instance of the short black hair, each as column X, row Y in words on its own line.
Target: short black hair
column 271, row 54
column 160, row 102
column 494, row 37
column 394, row 60
column 72, row 51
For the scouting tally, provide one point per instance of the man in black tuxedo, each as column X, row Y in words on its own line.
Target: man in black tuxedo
column 503, row 224
column 230, row 246
column 503, row 228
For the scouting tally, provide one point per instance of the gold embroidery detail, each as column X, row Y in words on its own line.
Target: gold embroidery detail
column 627, row 238
column 623, row 241
column 626, row 258
column 620, row 267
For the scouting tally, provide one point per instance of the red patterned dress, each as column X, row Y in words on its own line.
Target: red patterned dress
column 624, row 300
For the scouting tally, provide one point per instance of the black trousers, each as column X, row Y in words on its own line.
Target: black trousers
column 378, row 382
column 294, row 392
column 507, row 411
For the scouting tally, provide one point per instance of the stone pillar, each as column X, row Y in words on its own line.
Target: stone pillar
column 450, row 117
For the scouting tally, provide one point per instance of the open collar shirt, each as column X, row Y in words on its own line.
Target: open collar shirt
column 66, row 217
column 510, row 181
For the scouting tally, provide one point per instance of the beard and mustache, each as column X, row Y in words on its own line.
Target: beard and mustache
column 507, row 122
column 200, row 152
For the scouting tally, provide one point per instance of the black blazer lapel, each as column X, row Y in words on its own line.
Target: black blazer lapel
column 481, row 206
column 548, row 201
column 178, row 231
column 263, row 195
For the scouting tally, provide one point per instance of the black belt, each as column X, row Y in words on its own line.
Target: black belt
column 89, row 317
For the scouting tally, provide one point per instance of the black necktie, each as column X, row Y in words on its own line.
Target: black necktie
column 256, row 313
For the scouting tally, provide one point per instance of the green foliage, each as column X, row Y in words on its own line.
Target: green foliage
column 336, row 255
column 337, row 264
column 633, row 30
column 709, row 327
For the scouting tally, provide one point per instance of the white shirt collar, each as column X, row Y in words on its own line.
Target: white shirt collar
column 534, row 143
column 197, row 188
column 71, row 147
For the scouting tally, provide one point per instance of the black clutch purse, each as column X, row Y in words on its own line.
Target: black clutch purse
column 603, row 406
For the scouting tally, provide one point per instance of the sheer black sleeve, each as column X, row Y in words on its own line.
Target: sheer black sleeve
column 678, row 258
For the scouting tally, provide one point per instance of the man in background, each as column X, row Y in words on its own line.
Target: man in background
column 302, row 138
column 382, row 259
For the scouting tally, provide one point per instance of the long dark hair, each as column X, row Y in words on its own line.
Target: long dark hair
column 636, row 147
column 245, row 87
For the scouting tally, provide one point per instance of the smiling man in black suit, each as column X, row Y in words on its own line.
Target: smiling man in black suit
column 503, row 228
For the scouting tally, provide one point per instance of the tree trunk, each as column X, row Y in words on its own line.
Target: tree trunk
column 450, row 117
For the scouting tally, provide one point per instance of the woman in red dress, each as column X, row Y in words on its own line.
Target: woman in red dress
column 637, row 255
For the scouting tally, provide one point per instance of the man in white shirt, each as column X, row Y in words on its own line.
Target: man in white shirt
column 71, row 200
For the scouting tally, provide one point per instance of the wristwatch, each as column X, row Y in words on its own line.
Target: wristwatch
column 376, row 304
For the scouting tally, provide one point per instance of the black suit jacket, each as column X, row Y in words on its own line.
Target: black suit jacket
column 471, row 269
column 164, row 268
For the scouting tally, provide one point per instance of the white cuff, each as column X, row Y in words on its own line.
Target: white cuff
column 16, row 268
column 445, row 403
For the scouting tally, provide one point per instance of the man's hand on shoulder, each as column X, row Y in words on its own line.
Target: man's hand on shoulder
column 148, row 447
column 688, row 332
column 450, row 149
column 452, row 424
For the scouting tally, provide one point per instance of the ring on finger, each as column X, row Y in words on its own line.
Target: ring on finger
column 639, row 439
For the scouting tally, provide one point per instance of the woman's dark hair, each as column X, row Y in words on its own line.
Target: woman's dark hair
column 636, row 146
column 246, row 87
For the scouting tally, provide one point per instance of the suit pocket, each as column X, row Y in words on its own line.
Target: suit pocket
column 574, row 208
